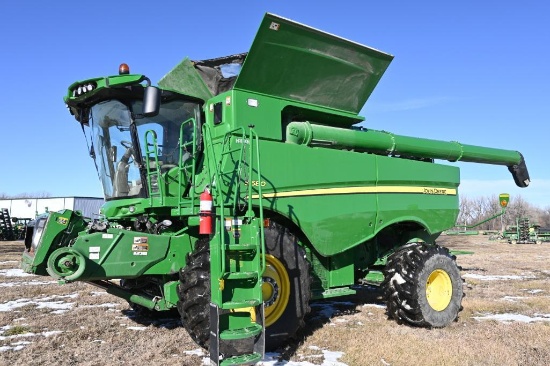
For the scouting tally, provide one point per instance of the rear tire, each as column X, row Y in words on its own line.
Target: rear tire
column 422, row 286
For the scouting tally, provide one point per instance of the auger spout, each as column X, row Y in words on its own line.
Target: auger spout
column 382, row 142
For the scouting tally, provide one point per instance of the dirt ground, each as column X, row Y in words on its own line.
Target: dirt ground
column 505, row 321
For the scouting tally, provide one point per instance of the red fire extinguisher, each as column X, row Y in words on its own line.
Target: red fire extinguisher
column 205, row 223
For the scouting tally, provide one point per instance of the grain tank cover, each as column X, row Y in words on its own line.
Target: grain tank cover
column 293, row 61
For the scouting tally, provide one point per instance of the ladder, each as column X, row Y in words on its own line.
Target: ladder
column 237, row 261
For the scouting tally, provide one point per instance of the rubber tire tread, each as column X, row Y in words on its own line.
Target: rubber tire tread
column 282, row 244
column 194, row 294
column 194, row 289
column 405, row 297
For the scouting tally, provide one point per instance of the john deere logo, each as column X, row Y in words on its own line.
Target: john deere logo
column 62, row 220
column 504, row 198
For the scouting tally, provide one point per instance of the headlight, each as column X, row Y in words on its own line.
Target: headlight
column 83, row 89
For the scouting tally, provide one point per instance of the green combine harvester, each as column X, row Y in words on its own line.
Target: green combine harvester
column 240, row 189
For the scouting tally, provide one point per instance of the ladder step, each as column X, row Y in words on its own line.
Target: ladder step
column 242, row 246
column 240, row 275
column 247, row 359
column 240, row 304
column 242, row 333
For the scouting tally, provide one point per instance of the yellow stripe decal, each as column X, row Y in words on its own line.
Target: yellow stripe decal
column 355, row 190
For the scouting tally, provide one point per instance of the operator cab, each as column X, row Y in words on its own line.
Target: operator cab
column 135, row 132
column 120, row 148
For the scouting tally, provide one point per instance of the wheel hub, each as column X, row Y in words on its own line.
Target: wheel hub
column 270, row 291
column 439, row 289
column 275, row 289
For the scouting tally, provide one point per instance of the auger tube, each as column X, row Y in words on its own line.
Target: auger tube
column 382, row 142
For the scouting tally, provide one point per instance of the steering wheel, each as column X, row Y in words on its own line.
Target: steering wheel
column 129, row 151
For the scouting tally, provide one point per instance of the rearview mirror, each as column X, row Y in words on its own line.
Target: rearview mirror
column 151, row 101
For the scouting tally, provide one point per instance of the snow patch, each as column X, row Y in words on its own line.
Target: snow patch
column 51, row 333
column 106, row 305
column 42, row 303
column 16, row 272
column 496, row 278
column 397, row 278
column 378, row 306
column 137, row 328
column 31, row 334
column 196, row 352
column 330, row 359
column 508, row 318
column 11, row 348
column 513, row 298
column 31, row 283
column 98, row 293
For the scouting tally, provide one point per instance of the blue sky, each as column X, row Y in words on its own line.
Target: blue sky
column 470, row 71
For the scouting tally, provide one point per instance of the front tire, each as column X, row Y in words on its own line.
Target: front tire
column 194, row 294
column 285, row 289
column 286, row 286
column 422, row 286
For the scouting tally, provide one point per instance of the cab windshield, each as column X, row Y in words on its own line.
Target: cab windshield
column 118, row 142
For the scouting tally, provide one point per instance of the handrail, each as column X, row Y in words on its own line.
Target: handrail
column 154, row 153
column 254, row 137
column 182, row 170
column 215, row 180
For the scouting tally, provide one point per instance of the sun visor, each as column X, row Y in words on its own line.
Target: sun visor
column 296, row 62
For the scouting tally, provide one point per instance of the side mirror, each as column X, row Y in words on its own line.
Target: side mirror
column 151, row 101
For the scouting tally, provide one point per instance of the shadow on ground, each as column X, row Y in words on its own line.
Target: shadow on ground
column 158, row 319
column 324, row 311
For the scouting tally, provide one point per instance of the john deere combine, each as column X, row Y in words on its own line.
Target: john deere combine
column 240, row 189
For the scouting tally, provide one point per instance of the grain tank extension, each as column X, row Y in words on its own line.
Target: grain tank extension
column 240, row 189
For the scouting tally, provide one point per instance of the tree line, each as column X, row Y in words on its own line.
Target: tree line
column 4, row 196
column 475, row 210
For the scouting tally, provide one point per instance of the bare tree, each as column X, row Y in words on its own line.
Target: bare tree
column 41, row 194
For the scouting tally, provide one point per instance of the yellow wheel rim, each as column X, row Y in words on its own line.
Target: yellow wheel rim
column 275, row 289
column 439, row 290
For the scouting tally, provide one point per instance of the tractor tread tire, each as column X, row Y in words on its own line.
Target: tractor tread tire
column 404, row 285
column 194, row 294
column 194, row 290
column 283, row 244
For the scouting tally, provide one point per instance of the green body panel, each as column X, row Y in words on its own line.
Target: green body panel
column 295, row 62
column 342, row 198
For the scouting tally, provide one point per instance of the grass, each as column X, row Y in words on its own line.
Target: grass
column 99, row 329
column 16, row 330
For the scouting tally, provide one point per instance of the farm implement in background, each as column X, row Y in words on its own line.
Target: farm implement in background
column 526, row 233
column 12, row 228
column 503, row 199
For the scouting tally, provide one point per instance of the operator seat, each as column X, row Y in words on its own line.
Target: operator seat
column 120, row 184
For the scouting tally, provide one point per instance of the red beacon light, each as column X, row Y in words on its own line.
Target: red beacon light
column 123, row 69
